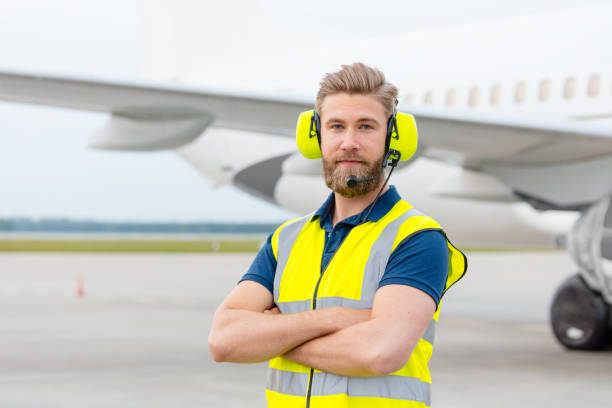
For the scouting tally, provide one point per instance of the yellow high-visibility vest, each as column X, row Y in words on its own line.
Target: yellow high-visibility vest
column 350, row 280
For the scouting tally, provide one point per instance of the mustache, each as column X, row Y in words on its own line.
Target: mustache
column 350, row 158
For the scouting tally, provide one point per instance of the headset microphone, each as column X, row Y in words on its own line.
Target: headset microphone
column 351, row 181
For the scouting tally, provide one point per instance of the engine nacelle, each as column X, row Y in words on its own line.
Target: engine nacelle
column 590, row 244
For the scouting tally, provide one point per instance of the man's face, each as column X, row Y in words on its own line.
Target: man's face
column 353, row 131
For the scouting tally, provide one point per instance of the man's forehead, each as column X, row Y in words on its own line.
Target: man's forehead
column 356, row 105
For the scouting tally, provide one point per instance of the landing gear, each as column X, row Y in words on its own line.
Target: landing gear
column 580, row 317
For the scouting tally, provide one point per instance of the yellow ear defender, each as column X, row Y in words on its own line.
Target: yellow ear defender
column 402, row 135
column 308, row 134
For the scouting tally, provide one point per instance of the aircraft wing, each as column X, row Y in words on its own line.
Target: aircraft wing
column 176, row 115
column 560, row 164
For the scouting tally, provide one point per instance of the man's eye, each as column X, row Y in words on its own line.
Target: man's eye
column 364, row 126
column 336, row 126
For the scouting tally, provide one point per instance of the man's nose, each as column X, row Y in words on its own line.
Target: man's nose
column 350, row 140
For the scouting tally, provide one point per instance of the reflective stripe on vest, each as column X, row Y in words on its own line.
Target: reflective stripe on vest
column 298, row 247
column 393, row 387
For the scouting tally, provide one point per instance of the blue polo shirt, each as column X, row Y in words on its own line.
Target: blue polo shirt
column 420, row 260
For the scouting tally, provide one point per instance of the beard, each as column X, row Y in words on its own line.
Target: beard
column 336, row 175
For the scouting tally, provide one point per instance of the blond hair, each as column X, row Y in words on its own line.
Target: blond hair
column 358, row 78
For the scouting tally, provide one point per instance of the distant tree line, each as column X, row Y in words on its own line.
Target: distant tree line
column 25, row 224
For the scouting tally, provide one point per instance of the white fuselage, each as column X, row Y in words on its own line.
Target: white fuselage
column 549, row 66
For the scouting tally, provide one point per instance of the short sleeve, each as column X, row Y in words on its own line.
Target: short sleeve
column 263, row 268
column 420, row 261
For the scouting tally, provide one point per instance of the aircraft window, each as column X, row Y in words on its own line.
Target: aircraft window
column 544, row 93
column 495, row 94
column 570, row 88
column 593, row 86
column 521, row 92
column 428, row 98
column 409, row 98
column 473, row 97
column 450, row 97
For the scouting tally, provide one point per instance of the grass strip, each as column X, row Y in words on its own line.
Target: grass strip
column 171, row 246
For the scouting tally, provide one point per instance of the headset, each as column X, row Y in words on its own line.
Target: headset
column 400, row 144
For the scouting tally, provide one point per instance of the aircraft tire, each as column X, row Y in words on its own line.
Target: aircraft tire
column 579, row 316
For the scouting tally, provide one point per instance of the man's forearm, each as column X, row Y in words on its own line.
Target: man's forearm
column 357, row 350
column 244, row 336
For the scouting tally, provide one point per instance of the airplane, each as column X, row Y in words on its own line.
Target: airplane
column 515, row 128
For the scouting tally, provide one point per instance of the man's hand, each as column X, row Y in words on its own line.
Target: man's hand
column 275, row 310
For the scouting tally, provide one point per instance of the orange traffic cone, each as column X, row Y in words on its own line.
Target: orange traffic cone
column 80, row 291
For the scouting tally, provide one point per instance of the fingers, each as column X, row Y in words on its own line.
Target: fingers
column 274, row 310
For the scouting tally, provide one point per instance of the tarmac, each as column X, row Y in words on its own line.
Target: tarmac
column 137, row 338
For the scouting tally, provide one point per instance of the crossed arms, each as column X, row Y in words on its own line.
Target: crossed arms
column 247, row 328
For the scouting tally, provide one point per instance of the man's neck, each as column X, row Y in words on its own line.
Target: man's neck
column 345, row 207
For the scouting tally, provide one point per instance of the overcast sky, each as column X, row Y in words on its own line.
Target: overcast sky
column 45, row 167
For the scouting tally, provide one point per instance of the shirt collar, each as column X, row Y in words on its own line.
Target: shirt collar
column 384, row 204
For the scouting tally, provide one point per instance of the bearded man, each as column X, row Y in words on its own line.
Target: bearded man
column 343, row 302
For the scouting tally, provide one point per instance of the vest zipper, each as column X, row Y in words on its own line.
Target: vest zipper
column 314, row 306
